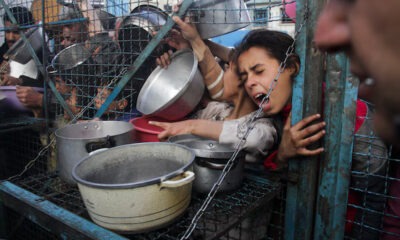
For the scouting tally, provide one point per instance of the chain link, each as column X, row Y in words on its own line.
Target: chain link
column 239, row 146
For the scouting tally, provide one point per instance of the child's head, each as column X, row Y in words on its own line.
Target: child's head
column 121, row 104
column 258, row 58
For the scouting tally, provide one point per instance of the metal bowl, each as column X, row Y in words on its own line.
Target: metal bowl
column 174, row 92
column 219, row 17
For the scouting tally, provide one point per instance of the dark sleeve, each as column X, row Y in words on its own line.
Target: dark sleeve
column 30, row 82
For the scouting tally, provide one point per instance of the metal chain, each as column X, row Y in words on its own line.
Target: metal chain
column 239, row 146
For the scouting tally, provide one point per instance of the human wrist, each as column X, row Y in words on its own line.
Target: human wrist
column 199, row 48
column 281, row 160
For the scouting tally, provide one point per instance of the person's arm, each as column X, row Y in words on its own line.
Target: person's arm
column 210, row 69
column 222, row 52
column 259, row 141
column 204, row 128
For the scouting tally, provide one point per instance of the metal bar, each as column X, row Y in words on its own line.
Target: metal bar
column 51, row 217
column 307, row 100
column 341, row 96
column 142, row 57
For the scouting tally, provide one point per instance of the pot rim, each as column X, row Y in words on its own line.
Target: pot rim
column 156, row 180
column 58, row 134
column 65, row 50
column 225, row 152
column 156, row 72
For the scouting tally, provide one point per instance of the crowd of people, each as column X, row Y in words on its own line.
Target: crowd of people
column 239, row 82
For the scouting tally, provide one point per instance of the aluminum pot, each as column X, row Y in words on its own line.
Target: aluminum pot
column 211, row 158
column 76, row 141
column 174, row 92
column 218, row 17
column 136, row 187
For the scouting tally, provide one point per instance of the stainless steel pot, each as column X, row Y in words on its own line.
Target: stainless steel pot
column 174, row 92
column 211, row 158
column 76, row 141
column 218, row 17
column 136, row 187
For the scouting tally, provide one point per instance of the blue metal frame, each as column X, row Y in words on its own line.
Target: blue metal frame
column 82, row 228
column 340, row 99
column 301, row 190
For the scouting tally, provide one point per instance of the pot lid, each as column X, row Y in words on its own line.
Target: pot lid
column 203, row 147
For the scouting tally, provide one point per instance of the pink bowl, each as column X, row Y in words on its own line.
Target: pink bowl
column 10, row 102
column 143, row 131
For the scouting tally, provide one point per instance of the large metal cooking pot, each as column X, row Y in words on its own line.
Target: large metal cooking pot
column 174, row 92
column 211, row 158
column 136, row 187
column 218, row 17
column 19, row 51
column 76, row 141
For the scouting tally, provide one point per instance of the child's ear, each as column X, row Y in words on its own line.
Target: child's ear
column 122, row 104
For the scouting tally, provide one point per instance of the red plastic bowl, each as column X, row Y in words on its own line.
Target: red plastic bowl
column 143, row 131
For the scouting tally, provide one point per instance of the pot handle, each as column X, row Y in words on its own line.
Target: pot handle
column 101, row 143
column 188, row 177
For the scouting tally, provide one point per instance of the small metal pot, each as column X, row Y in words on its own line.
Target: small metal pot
column 218, row 17
column 211, row 158
column 76, row 141
column 174, row 92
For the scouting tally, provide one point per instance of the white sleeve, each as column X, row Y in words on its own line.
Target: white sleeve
column 258, row 143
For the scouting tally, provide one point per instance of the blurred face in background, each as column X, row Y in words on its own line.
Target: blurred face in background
column 12, row 34
column 73, row 33
column 368, row 31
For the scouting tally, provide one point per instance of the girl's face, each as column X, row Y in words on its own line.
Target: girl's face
column 102, row 95
column 257, row 69
column 72, row 102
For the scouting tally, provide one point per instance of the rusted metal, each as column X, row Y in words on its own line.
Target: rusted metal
column 340, row 104
column 306, row 101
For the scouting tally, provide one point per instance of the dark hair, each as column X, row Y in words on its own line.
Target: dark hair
column 21, row 14
column 274, row 42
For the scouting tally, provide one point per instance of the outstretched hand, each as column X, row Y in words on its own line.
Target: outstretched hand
column 172, row 129
column 296, row 138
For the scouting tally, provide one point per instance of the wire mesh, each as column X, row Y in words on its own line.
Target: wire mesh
column 126, row 27
column 371, row 178
column 234, row 215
